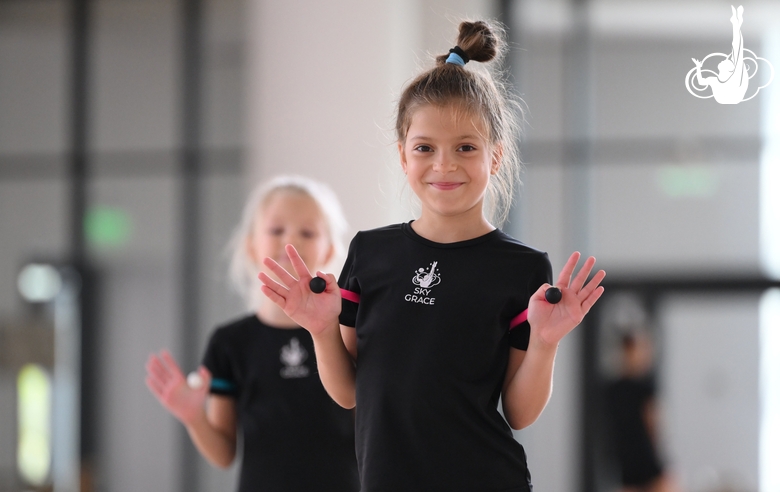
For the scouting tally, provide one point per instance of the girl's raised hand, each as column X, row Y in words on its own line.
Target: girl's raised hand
column 167, row 382
column 551, row 322
column 315, row 312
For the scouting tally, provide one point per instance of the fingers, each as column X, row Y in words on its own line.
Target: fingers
column 297, row 262
column 155, row 386
column 586, row 294
column 272, row 285
column 591, row 299
column 273, row 296
column 564, row 278
column 156, row 369
column 205, row 374
column 170, row 364
column 330, row 280
column 283, row 275
column 205, row 378
column 162, row 375
column 583, row 274
column 594, row 284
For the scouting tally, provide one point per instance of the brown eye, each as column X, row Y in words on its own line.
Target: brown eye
column 423, row 148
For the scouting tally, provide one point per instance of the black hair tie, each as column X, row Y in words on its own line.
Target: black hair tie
column 462, row 54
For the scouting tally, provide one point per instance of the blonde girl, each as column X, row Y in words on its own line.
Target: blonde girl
column 259, row 373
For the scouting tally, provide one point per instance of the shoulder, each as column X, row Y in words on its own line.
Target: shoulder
column 378, row 237
column 521, row 261
column 380, row 233
column 517, row 248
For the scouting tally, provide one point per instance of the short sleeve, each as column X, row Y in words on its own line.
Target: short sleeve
column 218, row 361
column 350, row 287
column 520, row 333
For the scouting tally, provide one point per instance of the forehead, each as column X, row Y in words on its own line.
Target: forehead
column 290, row 204
column 447, row 119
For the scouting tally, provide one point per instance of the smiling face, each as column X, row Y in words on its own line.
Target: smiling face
column 290, row 217
column 448, row 161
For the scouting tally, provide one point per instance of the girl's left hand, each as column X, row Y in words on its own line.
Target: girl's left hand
column 315, row 312
column 551, row 322
column 167, row 382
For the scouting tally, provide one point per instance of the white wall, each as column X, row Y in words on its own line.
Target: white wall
column 711, row 401
column 322, row 81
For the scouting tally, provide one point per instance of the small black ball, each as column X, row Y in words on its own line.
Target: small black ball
column 553, row 295
column 317, row 285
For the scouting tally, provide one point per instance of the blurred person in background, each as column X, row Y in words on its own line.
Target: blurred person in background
column 633, row 417
column 259, row 373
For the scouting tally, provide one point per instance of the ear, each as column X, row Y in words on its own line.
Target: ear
column 402, row 155
column 498, row 156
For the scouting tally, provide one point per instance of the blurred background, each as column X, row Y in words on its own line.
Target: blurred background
column 131, row 131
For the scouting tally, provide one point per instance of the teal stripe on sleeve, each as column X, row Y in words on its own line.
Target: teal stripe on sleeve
column 222, row 385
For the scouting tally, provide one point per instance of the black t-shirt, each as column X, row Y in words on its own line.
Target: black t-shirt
column 433, row 335
column 295, row 437
column 627, row 399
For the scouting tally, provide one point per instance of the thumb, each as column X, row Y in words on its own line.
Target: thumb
column 330, row 280
column 205, row 376
column 539, row 294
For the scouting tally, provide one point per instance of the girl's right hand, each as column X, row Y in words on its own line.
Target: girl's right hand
column 315, row 312
column 167, row 382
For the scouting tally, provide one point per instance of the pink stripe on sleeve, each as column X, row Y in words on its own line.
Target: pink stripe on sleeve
column 519, row 319
column 350, row 296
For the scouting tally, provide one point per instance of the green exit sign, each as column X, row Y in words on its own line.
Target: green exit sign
column 107, row 227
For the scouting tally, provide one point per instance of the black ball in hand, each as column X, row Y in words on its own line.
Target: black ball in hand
column 317, row 285
column 553, row 295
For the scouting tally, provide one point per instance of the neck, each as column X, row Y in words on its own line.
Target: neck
column 272, row 315
column 451, row 229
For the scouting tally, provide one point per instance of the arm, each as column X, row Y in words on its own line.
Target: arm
column 214, row 431
column 528, row 381
column 528, row 385
column 650, row 419
column 701, row 80
column 335, row 364
column 319, row 314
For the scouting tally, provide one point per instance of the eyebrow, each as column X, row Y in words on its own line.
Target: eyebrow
column 467, row 136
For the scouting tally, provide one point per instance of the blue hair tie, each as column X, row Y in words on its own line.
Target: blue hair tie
column 457, row 57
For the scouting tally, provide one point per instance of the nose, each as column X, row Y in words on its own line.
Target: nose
column 291, row 238
column 444, row 163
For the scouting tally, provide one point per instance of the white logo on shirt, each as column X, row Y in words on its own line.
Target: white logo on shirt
column 425, row 279
column 292, row 356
